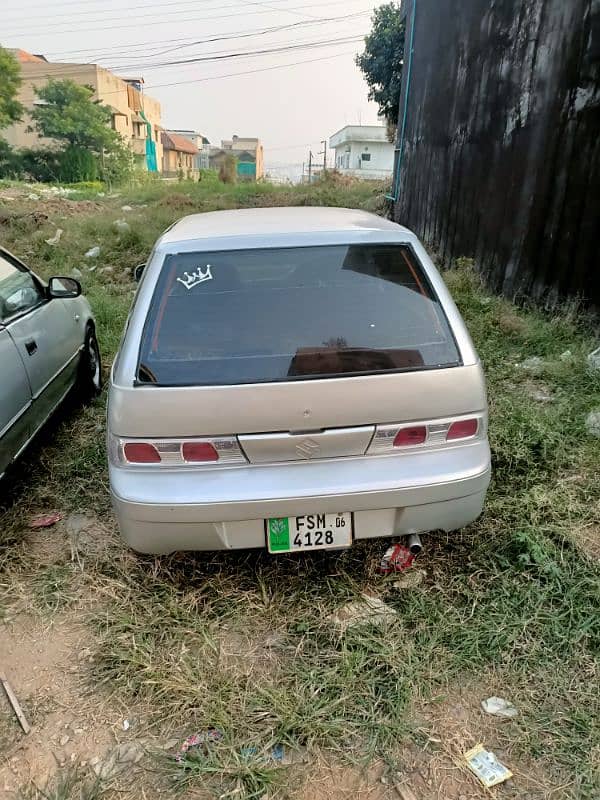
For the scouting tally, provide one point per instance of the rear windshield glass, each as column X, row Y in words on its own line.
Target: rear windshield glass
column 251, row 316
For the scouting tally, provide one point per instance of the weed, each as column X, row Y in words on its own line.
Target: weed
column 67, row 784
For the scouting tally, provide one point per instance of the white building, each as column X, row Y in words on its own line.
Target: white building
column 203, row 145
column 363, row 151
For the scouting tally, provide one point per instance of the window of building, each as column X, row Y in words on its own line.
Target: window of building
column 366, row 156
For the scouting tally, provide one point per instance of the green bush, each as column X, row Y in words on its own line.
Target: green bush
column 71, row 165
column 9, row 162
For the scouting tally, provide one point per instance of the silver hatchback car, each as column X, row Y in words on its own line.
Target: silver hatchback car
column 295, row 379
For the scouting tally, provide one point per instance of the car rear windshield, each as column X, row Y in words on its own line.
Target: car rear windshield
column 254, row 316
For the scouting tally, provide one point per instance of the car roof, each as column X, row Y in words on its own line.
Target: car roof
column 277, row 221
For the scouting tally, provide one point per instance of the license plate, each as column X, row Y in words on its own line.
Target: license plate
column 310, row 532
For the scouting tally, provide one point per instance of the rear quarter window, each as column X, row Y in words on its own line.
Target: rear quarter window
column 253, row 316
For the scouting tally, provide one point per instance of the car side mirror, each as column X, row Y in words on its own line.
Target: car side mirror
column 63, row 287
column 138, row 272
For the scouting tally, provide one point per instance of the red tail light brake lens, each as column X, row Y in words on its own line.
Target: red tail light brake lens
column 411, row 436
column 462, row 429
column 141, row 453
column 199, row 451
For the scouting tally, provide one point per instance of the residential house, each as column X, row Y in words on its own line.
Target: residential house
column 248, row 152
column 363, row 151
column 179, row 156
column 201, row 160
column 135, row 115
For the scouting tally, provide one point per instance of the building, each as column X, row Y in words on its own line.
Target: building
column 135, row 115
column 179, row 156
column 249, row 154
column 201, row 160
column 363, row 151
column 498, row 153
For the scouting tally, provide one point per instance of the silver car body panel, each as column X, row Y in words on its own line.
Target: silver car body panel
column 213, row 507
column 47, row 373
column 15, row 401
column 51, row 367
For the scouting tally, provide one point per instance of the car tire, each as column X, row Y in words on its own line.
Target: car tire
column 89, row 376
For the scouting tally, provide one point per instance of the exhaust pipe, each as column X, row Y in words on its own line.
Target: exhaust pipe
column 414, row 544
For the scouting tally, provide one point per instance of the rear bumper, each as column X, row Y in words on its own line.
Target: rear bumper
column 225, row 508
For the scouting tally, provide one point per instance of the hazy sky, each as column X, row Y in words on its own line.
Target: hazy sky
column 291, row 108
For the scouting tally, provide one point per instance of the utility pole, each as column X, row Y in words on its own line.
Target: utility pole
column 310, row 158
column 324, row 143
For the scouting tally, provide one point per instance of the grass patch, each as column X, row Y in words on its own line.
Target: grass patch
column 243, row 642
column 66, row 784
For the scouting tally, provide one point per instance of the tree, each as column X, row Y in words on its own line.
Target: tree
column 117, row 164
column 67, row 113
column 10, row 81
column 228, row 169
column 381, row 61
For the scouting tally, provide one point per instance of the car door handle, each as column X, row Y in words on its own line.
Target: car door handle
column 31, row 346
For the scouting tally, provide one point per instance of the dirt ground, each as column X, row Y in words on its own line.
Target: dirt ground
column 47, row 660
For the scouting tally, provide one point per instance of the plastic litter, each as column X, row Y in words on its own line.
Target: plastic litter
column 499, row 707
column 123, row 757
column 367, row 611
column 486, row 766
column 126, row 208
column 54, row 240
column 76, row 273
column 276, row 753
column 93, row 252
column 532, row 364
column 121, row 226
column 200, row 740
column 33, row 196
column 45, row 520
column 592, row 423
column 411, row 579
column 396, row 558
column 593, row 359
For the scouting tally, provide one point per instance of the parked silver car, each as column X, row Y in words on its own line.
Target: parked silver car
column 296, row 379
column 47, row 345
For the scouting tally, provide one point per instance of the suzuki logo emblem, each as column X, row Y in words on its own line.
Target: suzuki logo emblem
column 308, row 448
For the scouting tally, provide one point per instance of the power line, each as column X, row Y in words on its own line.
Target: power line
column 119, row 19
column 271, row 8
column 73, row 70
column 243, row 54
column 126, row 47
column 74, row 14
column 245, row 72
column 213, row 39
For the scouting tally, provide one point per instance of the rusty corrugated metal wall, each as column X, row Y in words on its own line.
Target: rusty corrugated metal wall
column 501, row 156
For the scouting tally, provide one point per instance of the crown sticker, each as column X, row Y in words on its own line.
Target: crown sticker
column 193, row 279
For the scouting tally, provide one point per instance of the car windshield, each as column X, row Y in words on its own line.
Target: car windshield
column 253, row 316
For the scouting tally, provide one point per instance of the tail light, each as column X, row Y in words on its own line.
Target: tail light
column 141, row 453
column 407, row 437
column 175, row 452
column 389, row 438
column 198, row 452
column 462, row 429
